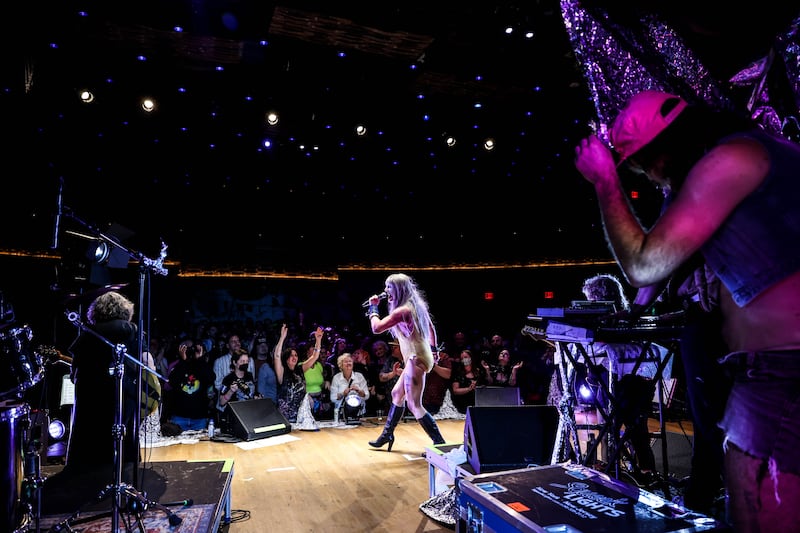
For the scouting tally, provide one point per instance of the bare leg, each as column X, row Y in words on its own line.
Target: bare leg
column 760, row 500
column 414, row 381
column 394, row 416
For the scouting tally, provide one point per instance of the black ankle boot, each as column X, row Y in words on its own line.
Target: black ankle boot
column 395, row 414
column 429, row 425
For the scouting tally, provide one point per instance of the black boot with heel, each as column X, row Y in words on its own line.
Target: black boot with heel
column 431, row 428
column 394, row 417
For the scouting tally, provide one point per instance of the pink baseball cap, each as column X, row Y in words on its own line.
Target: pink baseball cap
column 641, row 120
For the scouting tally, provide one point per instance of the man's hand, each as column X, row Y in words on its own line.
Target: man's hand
column 594, row 160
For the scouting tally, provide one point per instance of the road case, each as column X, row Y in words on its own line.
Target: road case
column 568, row 498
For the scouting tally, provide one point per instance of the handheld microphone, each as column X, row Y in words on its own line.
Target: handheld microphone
column 184, row 503
column 381, row 296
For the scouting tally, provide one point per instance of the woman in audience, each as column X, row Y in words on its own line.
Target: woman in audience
column 502, row 374
column 291, row 382
column 318, row 377
column 466, row 377
column 239, row 384
column 361, row 364
column 348, row 381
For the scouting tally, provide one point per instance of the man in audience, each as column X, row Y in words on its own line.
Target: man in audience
column 437, row 384
column 390, row 372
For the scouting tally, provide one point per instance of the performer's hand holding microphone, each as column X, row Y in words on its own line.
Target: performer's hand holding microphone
column 381, row 296
column 372, row 305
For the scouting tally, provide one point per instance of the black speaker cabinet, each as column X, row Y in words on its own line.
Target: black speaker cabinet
column 488, row 396
column 255, row 419
column 509, row 437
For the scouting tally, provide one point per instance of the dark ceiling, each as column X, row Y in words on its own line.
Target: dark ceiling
column 196, row 174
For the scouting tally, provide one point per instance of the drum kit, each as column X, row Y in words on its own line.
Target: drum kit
column 22, row 479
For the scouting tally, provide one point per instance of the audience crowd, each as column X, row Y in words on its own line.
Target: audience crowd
column 208, row 365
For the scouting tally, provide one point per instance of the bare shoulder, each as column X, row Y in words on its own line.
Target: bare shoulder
column 735, row 167
column 402, row 311
column 743, row 156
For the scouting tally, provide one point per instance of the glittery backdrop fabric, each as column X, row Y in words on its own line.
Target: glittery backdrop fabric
column 622, row 57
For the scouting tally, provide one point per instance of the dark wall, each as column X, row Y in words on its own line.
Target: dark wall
column 457, row 298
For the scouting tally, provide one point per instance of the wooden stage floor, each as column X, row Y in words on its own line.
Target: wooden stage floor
column 328, row 480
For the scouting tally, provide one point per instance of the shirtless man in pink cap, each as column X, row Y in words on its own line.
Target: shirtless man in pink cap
column 736, row 200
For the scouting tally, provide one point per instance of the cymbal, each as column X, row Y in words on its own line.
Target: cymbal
column 88, row 296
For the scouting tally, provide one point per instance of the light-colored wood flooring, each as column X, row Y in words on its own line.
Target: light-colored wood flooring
column 331, row 480
column 327, row 481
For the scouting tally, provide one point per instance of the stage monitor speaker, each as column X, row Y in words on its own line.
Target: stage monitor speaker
column 488, row 396
column 255, row 419
column 509, row 437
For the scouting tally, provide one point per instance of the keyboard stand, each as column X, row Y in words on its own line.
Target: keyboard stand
column 607, row 426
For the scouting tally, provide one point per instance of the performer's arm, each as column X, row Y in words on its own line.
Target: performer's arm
column 378, row 324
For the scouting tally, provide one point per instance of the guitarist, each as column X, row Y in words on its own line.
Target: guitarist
column 91, row 442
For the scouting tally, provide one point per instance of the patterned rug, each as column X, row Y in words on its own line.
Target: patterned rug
column 195, row 519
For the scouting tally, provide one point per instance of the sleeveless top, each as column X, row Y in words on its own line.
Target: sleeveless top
column 315, row 378
column 757, row 246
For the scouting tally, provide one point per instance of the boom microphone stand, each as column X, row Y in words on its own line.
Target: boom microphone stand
column 146, row 265
column 118, row 489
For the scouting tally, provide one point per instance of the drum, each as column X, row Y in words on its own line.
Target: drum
column 22, row 367
column 13, row 421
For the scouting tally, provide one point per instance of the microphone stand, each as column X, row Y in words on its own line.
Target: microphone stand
column 117, row 489
column 146, row 265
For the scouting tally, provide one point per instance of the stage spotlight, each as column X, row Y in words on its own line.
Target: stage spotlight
column 584, row 387
column 148, row 105
column 56, row 429
column 354, row 408
column 108, row 254
column 48, row 436
column 98, row 251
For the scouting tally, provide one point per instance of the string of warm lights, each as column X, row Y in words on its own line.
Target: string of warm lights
column 189, row 271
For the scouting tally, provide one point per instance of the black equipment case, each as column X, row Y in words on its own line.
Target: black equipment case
column 568, row 498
